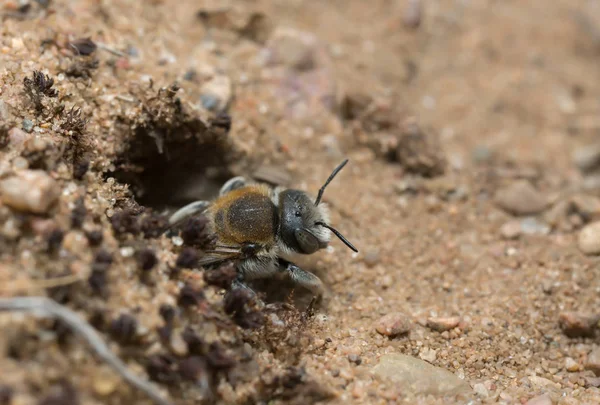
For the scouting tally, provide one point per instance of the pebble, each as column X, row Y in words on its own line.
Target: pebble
column 29, row 190
column 593, row 361
column 419, row 377
column 481, row 154
column 571, row 365
column 428, row 354
column 293, row 48
column 532, row 226
column 372, row 257
column 587, row 158
column 511, row 230
column 216, row 94
column 481, row 390
column 521, row 198
column 413, row 14
column 587, row 206
column 574, row 324
column 105, row 382
column 443, row 324
column 178, row 345
column 589, row 239
column 540, row 400
column 393, row 324
column 17, row 136
column 27, row 125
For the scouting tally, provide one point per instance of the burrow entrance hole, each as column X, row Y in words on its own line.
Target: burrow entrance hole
column 167, row 168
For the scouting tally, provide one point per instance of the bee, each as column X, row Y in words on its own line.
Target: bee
column 257, row 225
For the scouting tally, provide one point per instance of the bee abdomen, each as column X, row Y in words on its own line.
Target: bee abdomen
column 247, row 216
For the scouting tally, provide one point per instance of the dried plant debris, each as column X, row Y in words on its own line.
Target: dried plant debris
column 196, row 232
column 242, row 305
column 83, row 46
column 37, row 87
column 55, row 239
column 187, row 259
column 221, row 123
column 82, row 68
column 123, row 329
column 124, row 222
column 4, row 138
column 146, row 259
column 190, row 297
column 73, row 127
column 47, row 308
column 78, row 213
column 222, row 276
column 153, row 225
column 97, row 280
column 293, row 386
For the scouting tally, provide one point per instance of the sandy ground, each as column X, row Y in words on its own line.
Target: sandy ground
column 473, row 218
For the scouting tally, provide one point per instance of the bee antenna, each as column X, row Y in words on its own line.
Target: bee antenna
column 338, row 234
column 331, row 176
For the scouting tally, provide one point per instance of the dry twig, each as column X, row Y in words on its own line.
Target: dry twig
column 46, row 307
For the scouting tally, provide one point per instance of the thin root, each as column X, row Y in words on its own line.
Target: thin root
column 43, row 284
column 48, row 308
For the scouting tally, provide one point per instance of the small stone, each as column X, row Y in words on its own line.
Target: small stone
column 419, row 377
column 593, row 361
column 571, row 365
column 293, row 48
column 574, row 324
column 481, row 154
column 511, row 230
column 428, row 354
column 531, row 226
column 413, row 14
column 17, row 136
column 178, row 345
column 371, row 257
column 587, row 158
column 105, row 382
column 586, row 206
column 521, row 198
column 589, row 239
column 393, row 324
column 216, row 94
column 354, row 358
column 443, row 324
column 481, row 390
column 29, row 190
column 540, row 400
column 27, row 125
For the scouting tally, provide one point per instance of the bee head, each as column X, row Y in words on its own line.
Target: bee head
column 304, row 225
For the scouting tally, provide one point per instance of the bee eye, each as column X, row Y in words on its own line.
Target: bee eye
column 298, row 214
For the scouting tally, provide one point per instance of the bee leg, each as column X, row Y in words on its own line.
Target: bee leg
column 302, row 277
column 232, row 184
column 239, row 283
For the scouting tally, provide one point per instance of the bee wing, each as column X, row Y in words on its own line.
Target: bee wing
column 184, row 213
column 220, row 255
column 273, row 175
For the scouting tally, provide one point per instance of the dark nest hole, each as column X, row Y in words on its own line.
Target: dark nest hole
column 167, row 168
